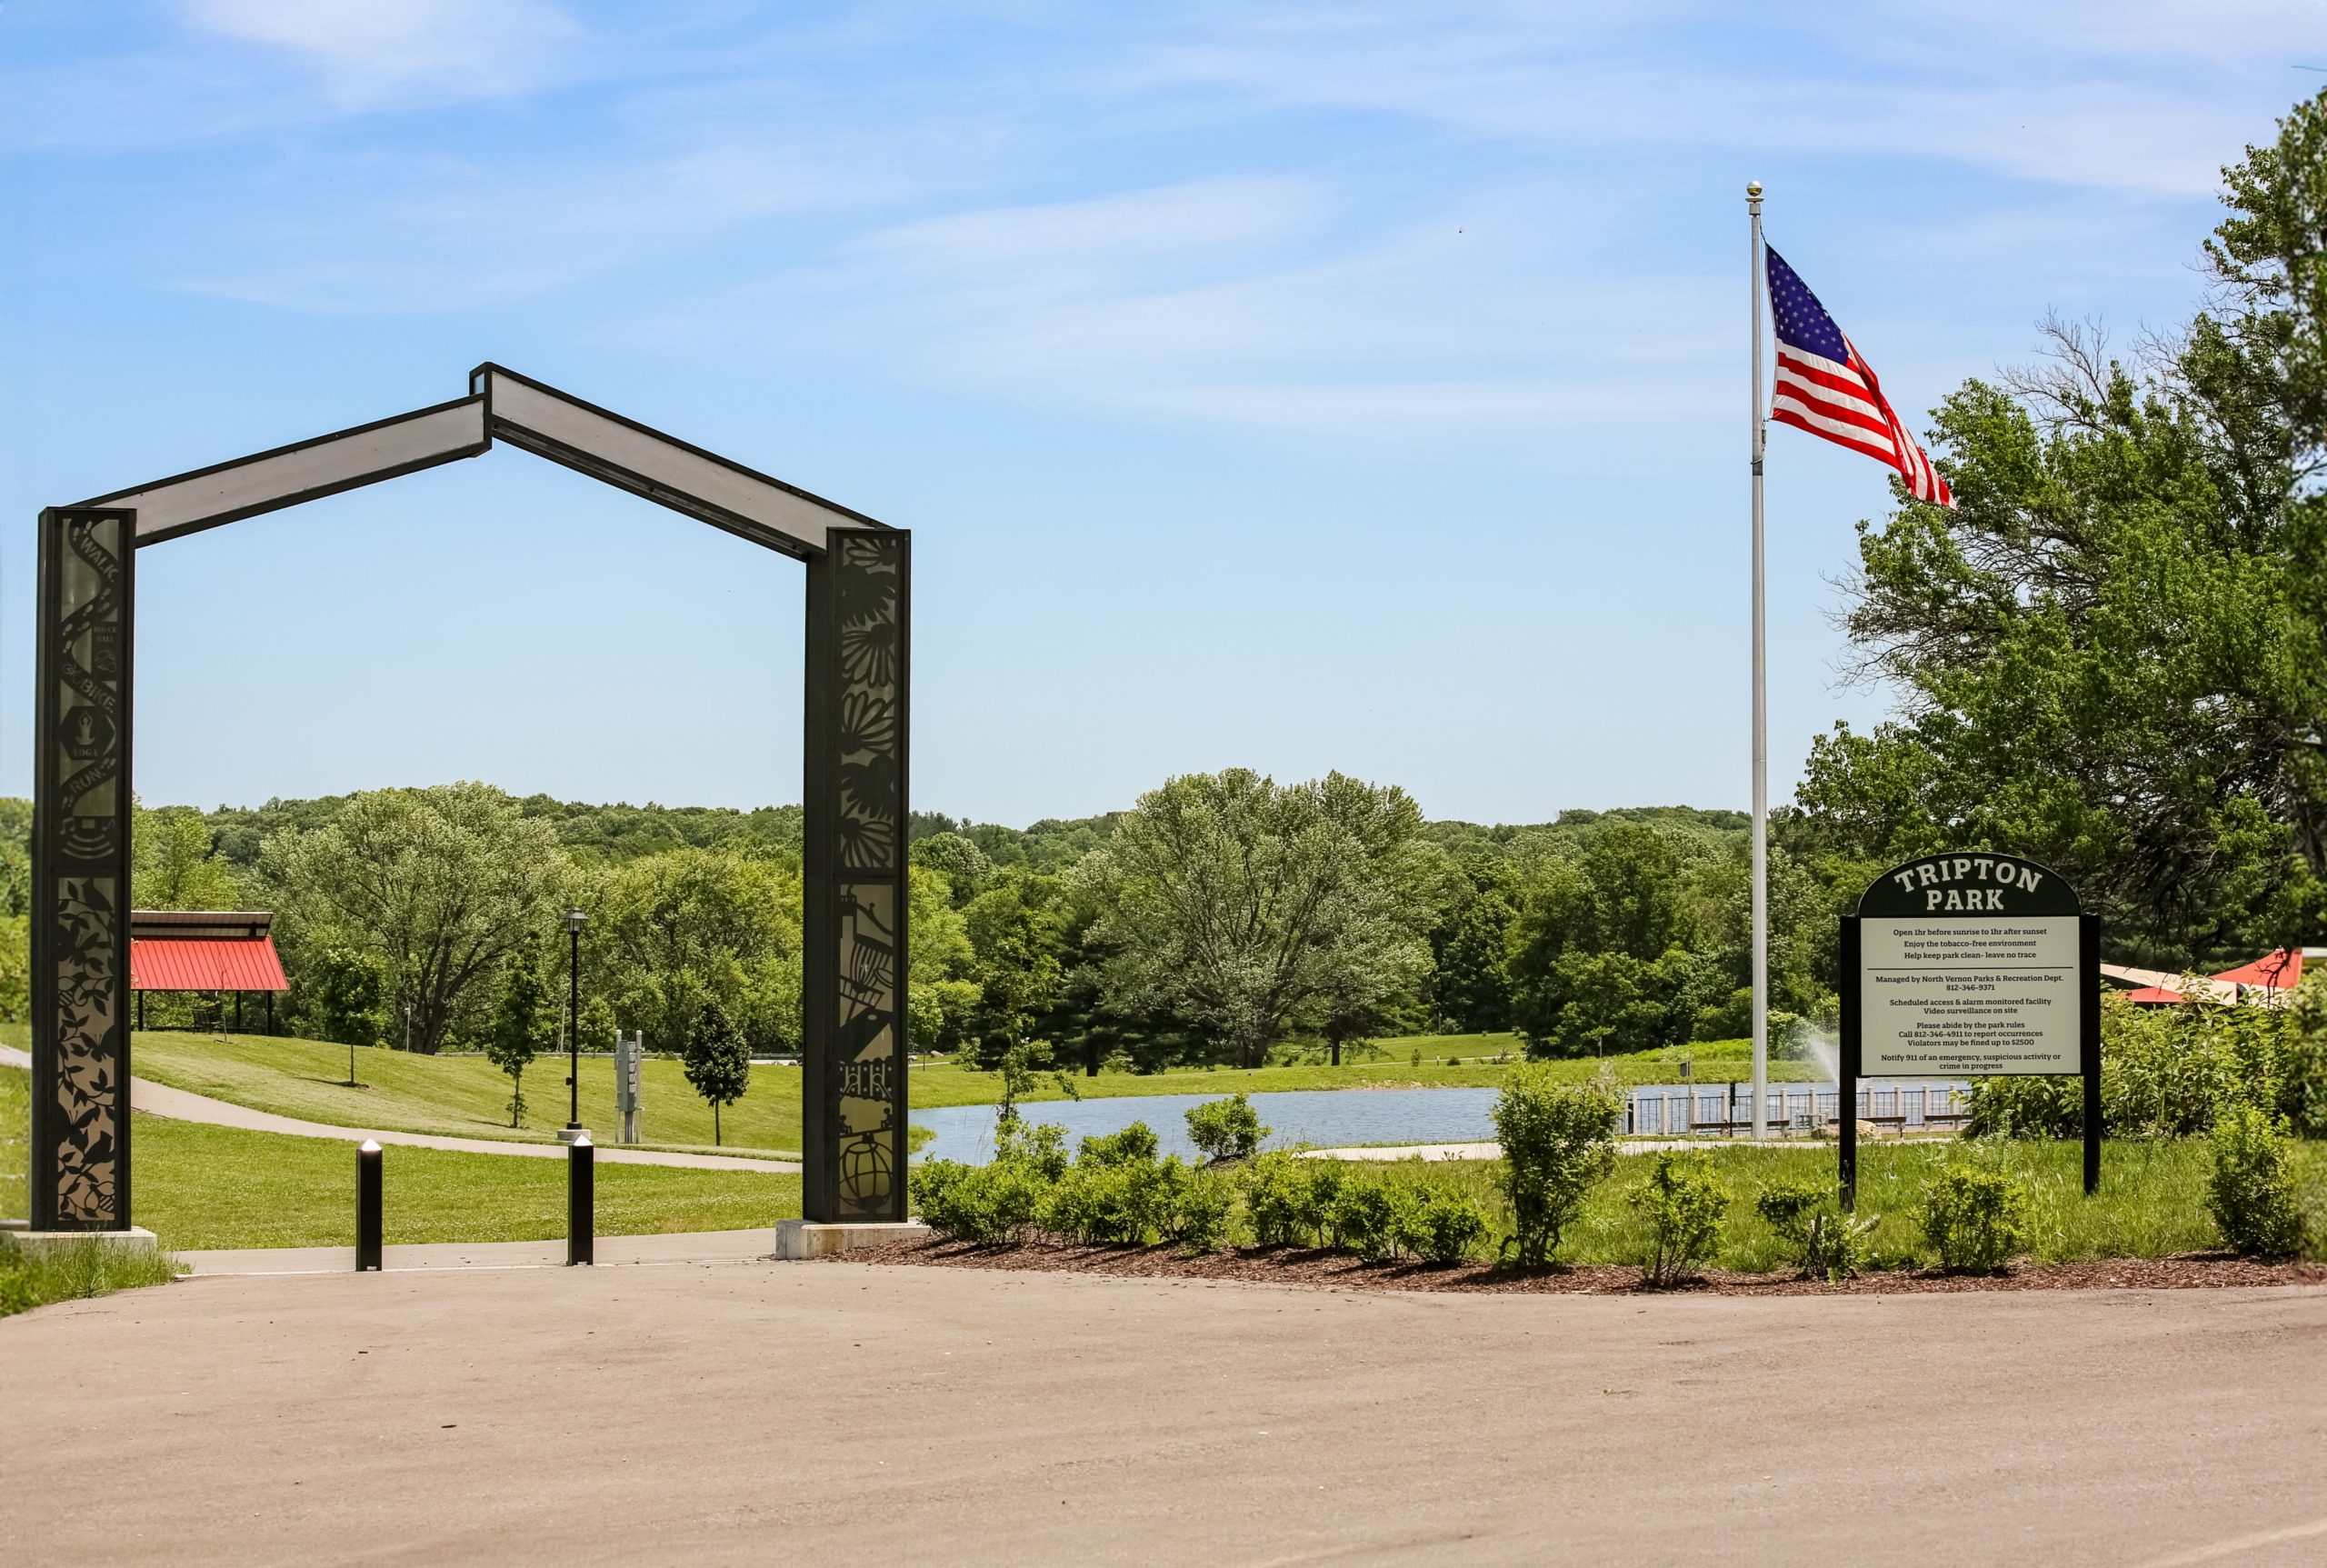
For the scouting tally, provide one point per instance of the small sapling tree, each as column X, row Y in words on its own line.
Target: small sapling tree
column 1559, row 1142
column 525, row 1025
column 1826, row 1243
column 717, row 1062
column 1682, row 1204
column 1226, row 1129
column 1975, row 1215
column 2247, row 1191
column 1021, row 1067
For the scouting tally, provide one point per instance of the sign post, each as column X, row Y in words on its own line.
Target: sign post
column 1963, row 964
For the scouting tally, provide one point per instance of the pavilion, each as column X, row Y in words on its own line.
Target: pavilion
column 214, row 951
column 2269, row 981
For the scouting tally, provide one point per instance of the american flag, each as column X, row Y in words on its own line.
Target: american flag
column 1824, row 387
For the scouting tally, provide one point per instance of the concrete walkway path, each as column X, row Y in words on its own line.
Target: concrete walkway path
column 180, row 1105
column 682, row 1247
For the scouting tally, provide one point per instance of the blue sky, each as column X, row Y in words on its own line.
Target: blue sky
column 1294, row 387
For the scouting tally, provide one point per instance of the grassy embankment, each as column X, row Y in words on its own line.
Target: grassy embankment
column 76, row 1273
column 464, row 1096
column 199, row 1187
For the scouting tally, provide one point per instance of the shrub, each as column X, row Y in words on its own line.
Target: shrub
column 1116, row 1191
column 1276, row 1197
column 1974, row 1216
column 1825, row 1241
column 2302, row 1062
column 927, row 1185
column 1041, row 1149
column 2248, row 1192
column 1558, row 1143
column 1375, row 1215
column 1684, row 1204
column 1226, row 1129
column 982, row 1205
column 1091, row 1203
column 1135, row 1143
column 1321, row 1187
column 2166, row 1071
column 1154, row 1191
column 1205, row 1209
column 2026, row 1107
column 1446, row 1224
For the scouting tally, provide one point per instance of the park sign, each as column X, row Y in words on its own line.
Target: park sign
column 1968, row 964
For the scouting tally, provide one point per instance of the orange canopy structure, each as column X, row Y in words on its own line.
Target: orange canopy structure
column 2279, row 970
column 203, row 950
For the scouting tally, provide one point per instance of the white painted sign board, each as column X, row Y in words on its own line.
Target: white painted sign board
column 1969, row 995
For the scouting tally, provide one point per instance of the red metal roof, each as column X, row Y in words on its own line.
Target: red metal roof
column 2280, row 970
column 2157, row 995
column 180, row 963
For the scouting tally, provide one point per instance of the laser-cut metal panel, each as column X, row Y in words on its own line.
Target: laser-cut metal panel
column 79, row 1169
column 304, row 471
column 857, row 922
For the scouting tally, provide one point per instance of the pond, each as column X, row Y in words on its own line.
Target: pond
column 1324, row 1117
column 1334, row 1118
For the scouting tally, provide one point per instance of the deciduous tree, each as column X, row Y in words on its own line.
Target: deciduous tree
column 1234, row 901
column 2109, row 656
column 717, row 1062
column 444, row 885
column 525, row 1025
column 173, row 863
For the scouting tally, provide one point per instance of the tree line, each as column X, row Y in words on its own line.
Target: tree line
column 1222, row 918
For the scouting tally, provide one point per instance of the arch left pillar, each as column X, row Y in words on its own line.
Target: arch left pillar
column 79, row 1168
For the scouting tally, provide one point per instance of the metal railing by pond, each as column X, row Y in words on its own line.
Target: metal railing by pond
column 1791, row 1109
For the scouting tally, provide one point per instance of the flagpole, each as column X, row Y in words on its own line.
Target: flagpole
column 1760, row 705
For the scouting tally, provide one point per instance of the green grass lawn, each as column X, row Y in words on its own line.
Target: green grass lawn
column 199, row 1187
column 461, row 1096
column 2152, row 1201
column 464, row 1096
column 75, row 1273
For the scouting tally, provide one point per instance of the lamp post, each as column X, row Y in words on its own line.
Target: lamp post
column 574, row 918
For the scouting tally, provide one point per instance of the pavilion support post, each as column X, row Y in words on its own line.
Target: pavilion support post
column 79, row 1166
column 854, row 857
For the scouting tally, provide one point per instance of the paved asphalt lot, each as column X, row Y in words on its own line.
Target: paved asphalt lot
column 838, row 1413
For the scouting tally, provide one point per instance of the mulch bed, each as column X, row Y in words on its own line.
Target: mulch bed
column 1340, row 1271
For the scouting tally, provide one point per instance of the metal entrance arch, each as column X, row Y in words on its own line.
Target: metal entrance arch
column 854, row 792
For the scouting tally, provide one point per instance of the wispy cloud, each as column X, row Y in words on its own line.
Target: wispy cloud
column 1243, row 303
column 368, row 52
column 406, row 234
column 2112, row 95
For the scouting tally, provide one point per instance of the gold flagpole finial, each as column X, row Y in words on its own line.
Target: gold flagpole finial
column 1753, row 187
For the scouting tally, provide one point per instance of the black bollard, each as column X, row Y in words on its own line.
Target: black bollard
column 367, row 1207
column 581, row 1201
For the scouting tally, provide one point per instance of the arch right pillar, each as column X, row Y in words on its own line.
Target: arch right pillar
column 857, row 896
